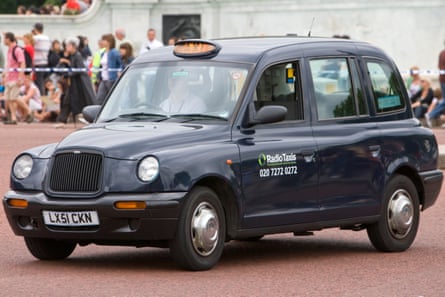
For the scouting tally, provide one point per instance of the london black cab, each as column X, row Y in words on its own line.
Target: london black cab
column 211, row 141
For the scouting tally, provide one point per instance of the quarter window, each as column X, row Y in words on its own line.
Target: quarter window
column 385, row 87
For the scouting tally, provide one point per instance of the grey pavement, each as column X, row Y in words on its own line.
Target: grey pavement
column 440, row 136
column 442, row 156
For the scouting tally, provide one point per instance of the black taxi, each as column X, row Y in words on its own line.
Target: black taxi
column 209, row 141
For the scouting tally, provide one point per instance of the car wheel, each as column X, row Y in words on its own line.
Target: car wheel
column 199, row 240
column 49, row 249
column 397, row 227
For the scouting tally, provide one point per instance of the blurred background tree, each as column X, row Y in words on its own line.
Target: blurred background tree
column 10, row 6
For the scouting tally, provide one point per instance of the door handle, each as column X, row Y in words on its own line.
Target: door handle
column 308, row 156
column 375, row 150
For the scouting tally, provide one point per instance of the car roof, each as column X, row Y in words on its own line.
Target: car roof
column 251, row 49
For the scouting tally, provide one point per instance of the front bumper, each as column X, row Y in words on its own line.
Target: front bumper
column 157, row 222
column 432, row 183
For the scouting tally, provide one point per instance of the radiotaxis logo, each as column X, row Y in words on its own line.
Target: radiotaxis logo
column 277, row 159
column 262, row 160
column 277, row 165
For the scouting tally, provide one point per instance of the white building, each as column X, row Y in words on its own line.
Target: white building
column 411, row 31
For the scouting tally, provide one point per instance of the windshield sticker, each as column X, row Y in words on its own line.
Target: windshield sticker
column 236, row 75
column 283, row 164
column 389, row 102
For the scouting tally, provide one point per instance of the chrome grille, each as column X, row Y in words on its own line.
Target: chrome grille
column 76, row 172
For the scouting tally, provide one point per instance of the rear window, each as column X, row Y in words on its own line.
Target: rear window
column 385, row 87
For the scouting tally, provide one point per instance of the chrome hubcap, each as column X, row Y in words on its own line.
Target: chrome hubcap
column 400, row 214
column 204, row 229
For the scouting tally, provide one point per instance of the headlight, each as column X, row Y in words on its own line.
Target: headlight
column 148, row 169
column 22, row 166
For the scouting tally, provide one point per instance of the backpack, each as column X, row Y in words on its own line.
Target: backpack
column 28, row 58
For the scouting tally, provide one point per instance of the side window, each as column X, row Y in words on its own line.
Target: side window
column 385, row 87
column 280, row 85
column 338, row 92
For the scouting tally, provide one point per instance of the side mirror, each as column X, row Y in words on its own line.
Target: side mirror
column 269, row 114
column 90, row 112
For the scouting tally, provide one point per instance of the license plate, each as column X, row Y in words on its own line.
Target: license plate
column 70, row 218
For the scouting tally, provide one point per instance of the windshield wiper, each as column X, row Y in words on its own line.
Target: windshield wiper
column 139, row 116
column 198, row 116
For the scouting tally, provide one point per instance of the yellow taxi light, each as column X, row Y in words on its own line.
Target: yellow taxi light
column 196, row 48
column 19, row 203
column 130, row 205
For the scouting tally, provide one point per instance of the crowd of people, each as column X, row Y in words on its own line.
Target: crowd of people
column 31, row 92
column 46, row 80
column 428, row 104
column 65, row 7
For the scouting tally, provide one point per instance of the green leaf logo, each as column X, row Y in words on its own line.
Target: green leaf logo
column 262, row 160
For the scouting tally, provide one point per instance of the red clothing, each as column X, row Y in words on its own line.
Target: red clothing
column 72, row 5
column 442, row 66
column 30, row 49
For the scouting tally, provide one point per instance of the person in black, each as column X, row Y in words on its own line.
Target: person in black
column 54, row 54
column 84, row 48
column 80, row 90
column 422, row 99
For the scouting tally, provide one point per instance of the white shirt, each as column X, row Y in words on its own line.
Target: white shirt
column 42, row 45
column 150, row 45
column 191, row 104
column 119, row 42
column 104, row 64
column 35, row 102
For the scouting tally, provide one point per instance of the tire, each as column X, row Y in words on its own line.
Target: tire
column 200, row 236
column 397, row 227
column 49, row 249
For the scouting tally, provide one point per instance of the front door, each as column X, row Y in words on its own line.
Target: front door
column 279, row 161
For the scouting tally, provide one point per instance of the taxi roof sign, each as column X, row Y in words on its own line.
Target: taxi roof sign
column 196, row 48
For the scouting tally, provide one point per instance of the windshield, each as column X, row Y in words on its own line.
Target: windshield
column 190, row 90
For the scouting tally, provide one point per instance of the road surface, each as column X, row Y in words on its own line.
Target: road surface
column 330, row 263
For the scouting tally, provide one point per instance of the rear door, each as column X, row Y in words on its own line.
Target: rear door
column 347, row 139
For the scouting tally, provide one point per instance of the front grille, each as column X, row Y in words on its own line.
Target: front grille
column 76, row 172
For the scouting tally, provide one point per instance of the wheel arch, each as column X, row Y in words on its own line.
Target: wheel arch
column 228, row 199
column 412, row 174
